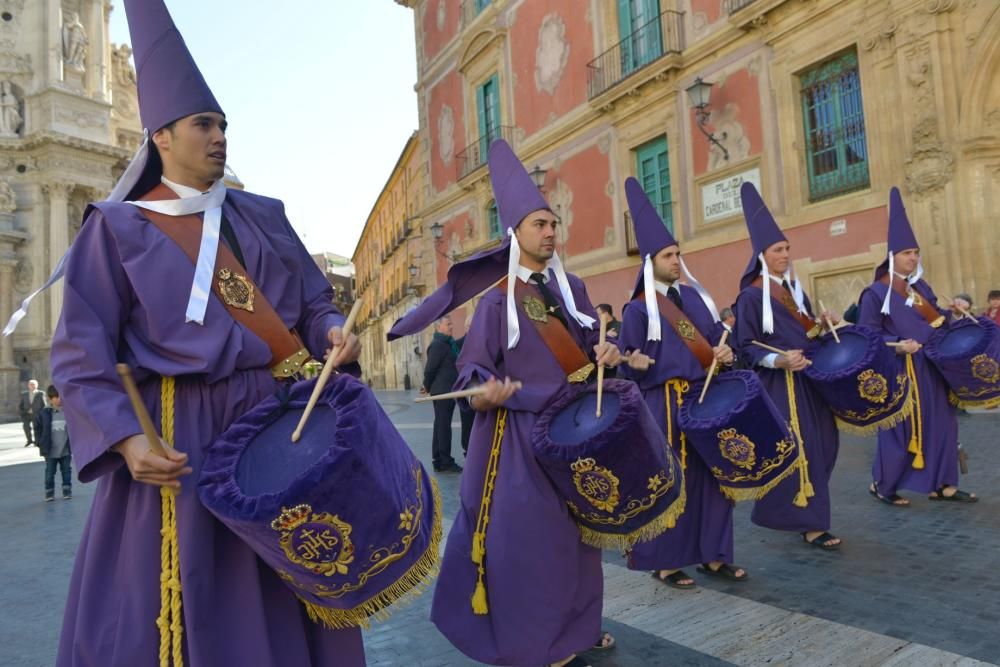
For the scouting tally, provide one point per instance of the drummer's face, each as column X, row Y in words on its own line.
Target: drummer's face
column 906, row 261
column 537, row 236
column 667, row 264
column 778, row 256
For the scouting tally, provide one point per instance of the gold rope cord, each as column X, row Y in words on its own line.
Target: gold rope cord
column 679, row 386
column 916, row 446
column 479, row 603
column 805, row 486
column 169, row 621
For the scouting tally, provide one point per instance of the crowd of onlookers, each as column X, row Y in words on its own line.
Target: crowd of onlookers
column 45, row 427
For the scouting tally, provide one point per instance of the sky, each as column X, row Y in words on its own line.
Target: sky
column 319, row 98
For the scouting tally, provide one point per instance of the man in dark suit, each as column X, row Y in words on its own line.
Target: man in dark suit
column 440, row 374
column 31, row 405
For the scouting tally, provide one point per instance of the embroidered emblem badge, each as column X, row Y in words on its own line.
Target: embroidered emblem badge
column 873, row 386
column 319, row 542
column 685, row 329
column 737, row 449
column 534, row 309
column 236, row 290
column 598, row 485
column 985, row 368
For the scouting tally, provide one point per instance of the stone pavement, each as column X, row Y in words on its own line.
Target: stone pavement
column 911, row 587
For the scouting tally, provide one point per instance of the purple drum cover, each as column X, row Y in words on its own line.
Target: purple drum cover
column 861, row 379
column 967, row 353
column 620, row 480
column 347, row 516
column 739, row 434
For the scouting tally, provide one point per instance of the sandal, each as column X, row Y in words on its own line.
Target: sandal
column 958, row 497
column 674, row 580
column 724, row 571
column 821, row 541
column 577, row 661
column 604, row 643
column 893, row 500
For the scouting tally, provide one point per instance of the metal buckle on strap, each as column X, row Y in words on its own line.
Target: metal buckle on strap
column 581, row 374
column 291, row 366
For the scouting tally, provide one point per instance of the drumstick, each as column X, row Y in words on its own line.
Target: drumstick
column 894, row 344
column 711, row 369
column 464, row 393
column 829, row 324
column 141, row 413
column 774, row 349
column 600, row 369
column 327, row 369
column 966, row 313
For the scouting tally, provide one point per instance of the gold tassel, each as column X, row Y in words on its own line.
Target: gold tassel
column 479, row 604
column 916, row 446
column 170, row 620
column 806, row 489
column 680, row 387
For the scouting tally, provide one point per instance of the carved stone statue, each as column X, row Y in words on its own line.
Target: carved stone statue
column 8, row 201
column 74, row 39
column 10, row 116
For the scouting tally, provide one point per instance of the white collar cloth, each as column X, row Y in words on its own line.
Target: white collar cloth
column 910, row 281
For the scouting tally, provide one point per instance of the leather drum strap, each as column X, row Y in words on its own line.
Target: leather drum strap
column 696, row 343
column 554, row 333
column 786, row 299
column 263, row 320
column 921, row 305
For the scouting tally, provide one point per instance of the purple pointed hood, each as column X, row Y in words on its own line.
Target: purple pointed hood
column 763, row 228
column 651, row 233
column 516, row 196
column 901, row 236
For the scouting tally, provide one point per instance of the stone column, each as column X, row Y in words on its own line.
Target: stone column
column 10, row 374
column 58, row 196
column 53, row 38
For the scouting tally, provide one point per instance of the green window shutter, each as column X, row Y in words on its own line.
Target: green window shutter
column 488, row 108
column 481, row 5
column 653, row 169
column 625, row 31
column 493, row 221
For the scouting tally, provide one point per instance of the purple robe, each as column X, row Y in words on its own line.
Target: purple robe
column 544, row 586
column 893, row 467
column 126, row 289
column 704, row 533
column 817, row 425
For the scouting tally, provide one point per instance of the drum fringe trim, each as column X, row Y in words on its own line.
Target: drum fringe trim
column 742, row 494
column 169, row 621
column 624, row 541
column 985, row 404
column 883, row 424
column 407, row 588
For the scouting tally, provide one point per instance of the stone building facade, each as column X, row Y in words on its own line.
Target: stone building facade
column 825, row 104
column 68, row 124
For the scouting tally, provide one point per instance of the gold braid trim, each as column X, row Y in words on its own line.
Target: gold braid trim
column 886, row 422
column 680, row 386
column 480, row 607
column 742, row 494
column 916, row 446
column 966, row 403
column 805, row 486
column 650, row 531
column 404, row 590
column 170, row 620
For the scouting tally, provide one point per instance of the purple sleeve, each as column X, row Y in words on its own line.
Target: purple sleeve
column 748, row 328
column 870, row 314
column 85, row 350
column 633, row 337
column 478, row 360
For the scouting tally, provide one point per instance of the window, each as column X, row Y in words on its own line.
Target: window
column 653, row 169
column 481, row 4
column 493, row 228
column 834, row 119
column 641, row 37
column 488, row 107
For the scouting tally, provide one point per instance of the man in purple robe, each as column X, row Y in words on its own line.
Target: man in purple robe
column 517, row 586
column 773, row 309
column 704, row 533
column 132, row 295
column 921, row 453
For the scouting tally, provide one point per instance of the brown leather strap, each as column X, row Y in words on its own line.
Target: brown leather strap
column 923, row 307
column 185, row 231
column 786, row 299
column 554, row 333
column 697, row 344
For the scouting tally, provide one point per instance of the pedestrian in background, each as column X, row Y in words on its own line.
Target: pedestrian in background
column 32, row 402
column 440, row 374
column 728, row 319
column 605, row 312
column 53, row 444
column 993, row 309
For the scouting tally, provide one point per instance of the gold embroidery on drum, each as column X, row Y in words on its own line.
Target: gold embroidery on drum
column 320, row 543
column 985, row 368
column 595, row 483
column 633, row 506
column 737, row 449
column 872, row 386
column 685, row 329
column 901, row 393
column 785, row 449
column 534, row 309
column 236, row 290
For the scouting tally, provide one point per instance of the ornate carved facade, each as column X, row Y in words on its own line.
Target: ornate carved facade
column 69, row 123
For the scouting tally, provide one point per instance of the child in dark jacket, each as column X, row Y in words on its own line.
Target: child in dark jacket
column 53, row 444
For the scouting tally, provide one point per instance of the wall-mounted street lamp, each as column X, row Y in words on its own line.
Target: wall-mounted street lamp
column 437, row 233
column 538, row 177
column 413, row 271
column 699, row 93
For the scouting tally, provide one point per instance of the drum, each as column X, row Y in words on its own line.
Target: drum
column 861, row 380
column 739, row 434
column 620, row 480
column 967, row 353
column 347, row 517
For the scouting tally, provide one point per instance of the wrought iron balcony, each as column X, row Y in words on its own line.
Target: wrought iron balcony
column 474, row 155
column 736, row 5
column 662, row 36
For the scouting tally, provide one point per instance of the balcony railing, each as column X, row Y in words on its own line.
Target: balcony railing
column 662, row 36
column 736, row 5
column 474, row 155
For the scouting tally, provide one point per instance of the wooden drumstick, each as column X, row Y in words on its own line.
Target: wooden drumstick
column 600, row 369
column 829, row 324
column 966, row 313
column 711, row 369
column 327, row 369
column 774, row 349
column 464, row 393
column 141, row 413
